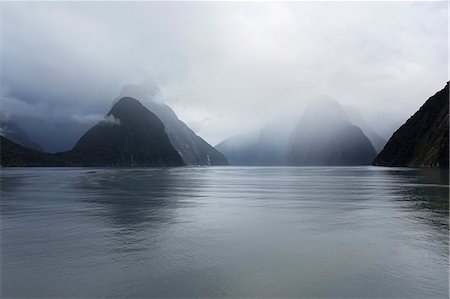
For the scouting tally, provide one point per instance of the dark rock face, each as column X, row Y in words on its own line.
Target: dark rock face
column 325, row 137
column 423, row 140
column 130, row 135
column 14, row 133
column 13, row 154
column 192, row 148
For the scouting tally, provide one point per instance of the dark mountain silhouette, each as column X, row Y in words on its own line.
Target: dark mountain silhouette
column 423, row 140
column 14, row 133
column 130, row 135
column 13, row 154
column 325, row 136
column 193, row 149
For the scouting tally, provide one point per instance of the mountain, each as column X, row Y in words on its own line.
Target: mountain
column 192, row 148
column 13, row 154
column 266, row 147
column 130, row 135
column 240, row 149
column 52, row 135
column 357, row 119
column 423, row 139
column 14, row 133
column 325, row 136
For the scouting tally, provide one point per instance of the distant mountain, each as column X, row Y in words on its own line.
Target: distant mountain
column 423, row 140
column 325, row 136
column 14, row 133
column 240, row 149
column 53, row 135
column 266, row 147
column 192, row 148
column 13, row 154
column 130, row 135
column 357, row 119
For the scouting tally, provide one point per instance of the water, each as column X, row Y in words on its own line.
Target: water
column 224, row 232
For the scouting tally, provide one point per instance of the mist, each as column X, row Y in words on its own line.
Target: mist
column 224, row 68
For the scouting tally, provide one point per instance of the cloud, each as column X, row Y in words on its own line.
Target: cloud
column 225, row 67
column 93, row 119
column 87, row 119
column 110, row 120
column 4, row 131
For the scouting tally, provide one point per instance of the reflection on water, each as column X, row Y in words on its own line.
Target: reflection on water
column 129, row 199
column 225, row 231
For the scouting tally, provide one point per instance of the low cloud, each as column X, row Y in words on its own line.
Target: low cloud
column 93, row 119
column 240, row 64
column 88, row 119
column 4, row 131
column 110, row 120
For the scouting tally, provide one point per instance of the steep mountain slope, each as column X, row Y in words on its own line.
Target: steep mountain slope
column 14, row 133
column 192, row 148
column 130, row 135
column 324, row 136
column 13, row 154
column 423, row 139
column 357, row 119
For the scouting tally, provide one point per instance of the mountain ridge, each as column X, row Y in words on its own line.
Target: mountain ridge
column 129, row 135
column 324, row 136
column 13, row 132
column 193, row 149
column 422, row 141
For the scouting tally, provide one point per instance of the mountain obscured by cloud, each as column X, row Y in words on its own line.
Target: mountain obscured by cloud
column 325, row 136
column 14, row 133
column 357, row 119
column 264, row 147
column 224, row 68
column 192, row 148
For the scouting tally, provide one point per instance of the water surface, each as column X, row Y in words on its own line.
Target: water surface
column 224, row 232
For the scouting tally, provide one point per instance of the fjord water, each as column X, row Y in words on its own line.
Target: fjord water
column 224, row 232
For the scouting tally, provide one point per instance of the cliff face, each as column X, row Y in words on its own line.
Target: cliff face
column 130, row 135
column 423, row 140
column 192, row 148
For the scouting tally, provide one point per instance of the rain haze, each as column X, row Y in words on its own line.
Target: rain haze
column 202, row 149
column 224, row 68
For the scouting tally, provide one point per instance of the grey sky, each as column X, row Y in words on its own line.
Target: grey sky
column 225, row 68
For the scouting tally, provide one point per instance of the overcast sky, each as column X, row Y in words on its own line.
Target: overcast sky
column 225, row 68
